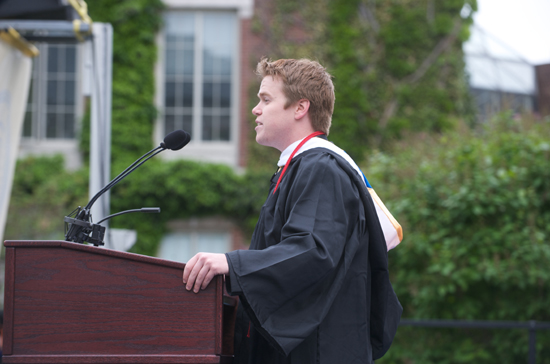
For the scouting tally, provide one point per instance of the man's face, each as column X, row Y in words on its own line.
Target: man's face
column 274, row 122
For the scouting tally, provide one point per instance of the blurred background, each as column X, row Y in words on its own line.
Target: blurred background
column 445, row 105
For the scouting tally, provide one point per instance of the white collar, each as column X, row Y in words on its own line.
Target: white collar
column 317, row 143
column 288, row 151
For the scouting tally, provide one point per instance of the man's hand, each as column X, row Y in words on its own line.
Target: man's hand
column 200, row 270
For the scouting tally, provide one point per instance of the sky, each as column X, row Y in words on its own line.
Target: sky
column 524, row 25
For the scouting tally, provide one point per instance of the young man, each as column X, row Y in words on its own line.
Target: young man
column 314, row 285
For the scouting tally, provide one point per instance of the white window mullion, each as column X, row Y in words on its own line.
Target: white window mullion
column 41, row 100
column 60, row 88
column 197, row 79
column 234, row 129
column 78, row 105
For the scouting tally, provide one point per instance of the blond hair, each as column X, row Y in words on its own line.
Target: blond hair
column 304, row 79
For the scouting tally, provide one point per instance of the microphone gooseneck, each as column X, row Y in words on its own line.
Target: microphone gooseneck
column 78, row 225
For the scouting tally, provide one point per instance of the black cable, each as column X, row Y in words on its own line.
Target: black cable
column 143, row 209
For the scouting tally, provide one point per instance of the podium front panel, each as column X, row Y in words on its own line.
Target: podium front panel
column 70, row 300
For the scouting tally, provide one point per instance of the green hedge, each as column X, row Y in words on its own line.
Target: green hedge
column 43, row 193
column 184, row 189
column 476, row 213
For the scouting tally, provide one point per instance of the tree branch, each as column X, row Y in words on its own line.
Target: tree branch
column 442, row 46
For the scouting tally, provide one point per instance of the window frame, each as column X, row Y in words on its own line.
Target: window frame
column 214, row 151
column 37, row 143
column 40, row 108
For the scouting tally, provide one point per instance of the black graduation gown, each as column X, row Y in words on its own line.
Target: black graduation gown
column 314, row 285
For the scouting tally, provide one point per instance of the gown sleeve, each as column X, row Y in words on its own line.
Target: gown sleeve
column 287, row 288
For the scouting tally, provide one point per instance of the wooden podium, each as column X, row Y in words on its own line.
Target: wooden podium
column 72, row 303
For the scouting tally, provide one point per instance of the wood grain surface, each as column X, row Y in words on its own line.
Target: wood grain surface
column 78, row 303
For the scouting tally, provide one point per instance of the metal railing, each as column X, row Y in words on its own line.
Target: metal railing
column 532, row 326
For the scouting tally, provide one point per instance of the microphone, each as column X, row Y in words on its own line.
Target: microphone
column 176, row 140
column 78, row 225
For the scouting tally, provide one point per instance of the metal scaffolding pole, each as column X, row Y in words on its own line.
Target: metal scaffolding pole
column 100, row 133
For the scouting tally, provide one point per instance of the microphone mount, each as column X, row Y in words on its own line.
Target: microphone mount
column 80, row 229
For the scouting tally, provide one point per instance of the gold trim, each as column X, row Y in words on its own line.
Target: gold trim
column 13, row 38
column 82, row 9
column 76, row 29
column 390, row 217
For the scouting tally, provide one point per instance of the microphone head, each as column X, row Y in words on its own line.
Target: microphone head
column 176, row 140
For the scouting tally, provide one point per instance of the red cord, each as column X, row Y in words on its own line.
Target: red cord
column 312, row 135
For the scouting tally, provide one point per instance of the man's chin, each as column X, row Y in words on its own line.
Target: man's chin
column 260, row 141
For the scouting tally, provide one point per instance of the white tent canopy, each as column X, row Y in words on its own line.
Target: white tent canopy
column 492, row 65
column 100, row 44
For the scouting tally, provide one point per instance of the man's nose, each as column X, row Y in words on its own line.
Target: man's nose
column 256, row 110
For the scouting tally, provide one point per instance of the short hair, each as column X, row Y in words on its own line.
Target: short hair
column 304, row 79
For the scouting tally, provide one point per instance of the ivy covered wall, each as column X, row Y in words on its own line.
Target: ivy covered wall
column 135, row 25
column 397, row 65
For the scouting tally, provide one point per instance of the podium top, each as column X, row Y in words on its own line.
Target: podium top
column 94, row 250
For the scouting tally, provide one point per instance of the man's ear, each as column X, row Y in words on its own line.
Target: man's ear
column 302, row 107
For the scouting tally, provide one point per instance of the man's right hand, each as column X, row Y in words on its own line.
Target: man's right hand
column 202, row 268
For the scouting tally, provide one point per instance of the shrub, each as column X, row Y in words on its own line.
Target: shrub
column 475, row 206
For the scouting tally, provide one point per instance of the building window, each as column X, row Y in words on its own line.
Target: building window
column 181, row 246
column 491, row 102
column 190, row 236
column 199, row 63
column 52, row 106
